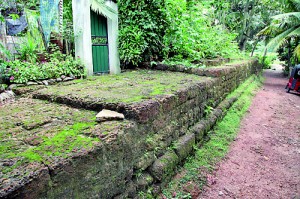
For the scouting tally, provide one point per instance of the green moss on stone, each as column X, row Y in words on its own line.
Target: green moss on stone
column 128, row 87
column 41, row 132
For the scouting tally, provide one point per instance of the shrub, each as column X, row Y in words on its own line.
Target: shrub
column 267, row 60
column 21, row 71
column 142, row 27
column 162, row 29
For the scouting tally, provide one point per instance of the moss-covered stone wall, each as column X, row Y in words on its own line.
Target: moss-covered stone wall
column 158, row 136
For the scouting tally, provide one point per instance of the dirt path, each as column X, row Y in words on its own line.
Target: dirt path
column 264, row 161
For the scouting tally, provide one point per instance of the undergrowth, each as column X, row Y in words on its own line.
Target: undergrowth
column 193, row 174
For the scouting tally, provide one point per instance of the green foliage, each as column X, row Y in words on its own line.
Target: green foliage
column 28, row 49
column 191, row 33
column 142, row 26
column 3, row 51
column 170, row 29
column 245, row 18
column 22, row 71
column 267, row 60
column 283, row 33
column 133, row 45
column 33, row 4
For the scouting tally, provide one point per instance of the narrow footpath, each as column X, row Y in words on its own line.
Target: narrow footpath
column 264, row 160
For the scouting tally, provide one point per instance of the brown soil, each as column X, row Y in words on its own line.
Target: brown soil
column 264, row 160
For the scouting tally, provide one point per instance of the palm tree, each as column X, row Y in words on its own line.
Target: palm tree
column 284, row 31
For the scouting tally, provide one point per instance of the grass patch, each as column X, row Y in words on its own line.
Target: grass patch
column 212, row 151
column 34, row 131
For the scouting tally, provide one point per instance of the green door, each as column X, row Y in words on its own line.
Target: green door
column 99, row 43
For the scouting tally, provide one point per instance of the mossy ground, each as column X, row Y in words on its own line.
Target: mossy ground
column 129, row 87
column 42, row 132
column 192, row 176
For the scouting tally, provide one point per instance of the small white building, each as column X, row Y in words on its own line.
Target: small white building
column 96, row 35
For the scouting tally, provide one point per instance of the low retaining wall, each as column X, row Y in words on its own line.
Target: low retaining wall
column 161, row 134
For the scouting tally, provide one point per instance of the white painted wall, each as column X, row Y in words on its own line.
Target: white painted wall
column 82, row 32
column 113, row 29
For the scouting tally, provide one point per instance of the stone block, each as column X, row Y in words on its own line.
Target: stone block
column 108, row 115
column 184, row 146
column 164, row 167
column 200, row 129
column 143, row 181
column 145, row 161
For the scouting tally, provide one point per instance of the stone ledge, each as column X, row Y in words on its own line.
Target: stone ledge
column 209, row 72
column 164, row 166
column 184, row 146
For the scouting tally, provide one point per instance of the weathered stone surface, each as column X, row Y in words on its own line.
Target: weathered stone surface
column 108, row 115
column 184, row 146
column 164, row 167
column 31, row 83
column 45, row 82
column 145, row 161
column 143, row 181
column 68, row 79
column 51, row 81
column 6, row 96
column 11, row 87
column 118, row 147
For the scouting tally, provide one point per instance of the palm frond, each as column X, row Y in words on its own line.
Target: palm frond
column 265, row 31
column 297, row 52
column 100, row 7
column 279, row 40
column 296, row 4
column 287, row 15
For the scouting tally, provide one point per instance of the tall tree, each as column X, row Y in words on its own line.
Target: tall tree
column 284, row 31
column 245, row 17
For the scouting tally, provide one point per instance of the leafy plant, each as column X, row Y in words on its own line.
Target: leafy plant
column 133, row 45
column 22, row 71
column 267, row 60
column 191, row 34
column 3, row 51
column 142, row 27
column 284, row 32
column 28, row 49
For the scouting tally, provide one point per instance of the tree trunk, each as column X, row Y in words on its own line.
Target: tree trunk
column 253, row 49
column 289, row 53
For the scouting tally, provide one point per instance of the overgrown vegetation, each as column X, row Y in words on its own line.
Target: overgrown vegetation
column 28, row 68
column 267, row 60
column 187, row 31
column 142, row 27
column 32, row 60
column 283, row 33
column 165, row 29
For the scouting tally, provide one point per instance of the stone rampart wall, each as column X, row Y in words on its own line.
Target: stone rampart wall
column 160, row 136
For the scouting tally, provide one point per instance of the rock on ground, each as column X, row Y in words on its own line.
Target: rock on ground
column 107, row 115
